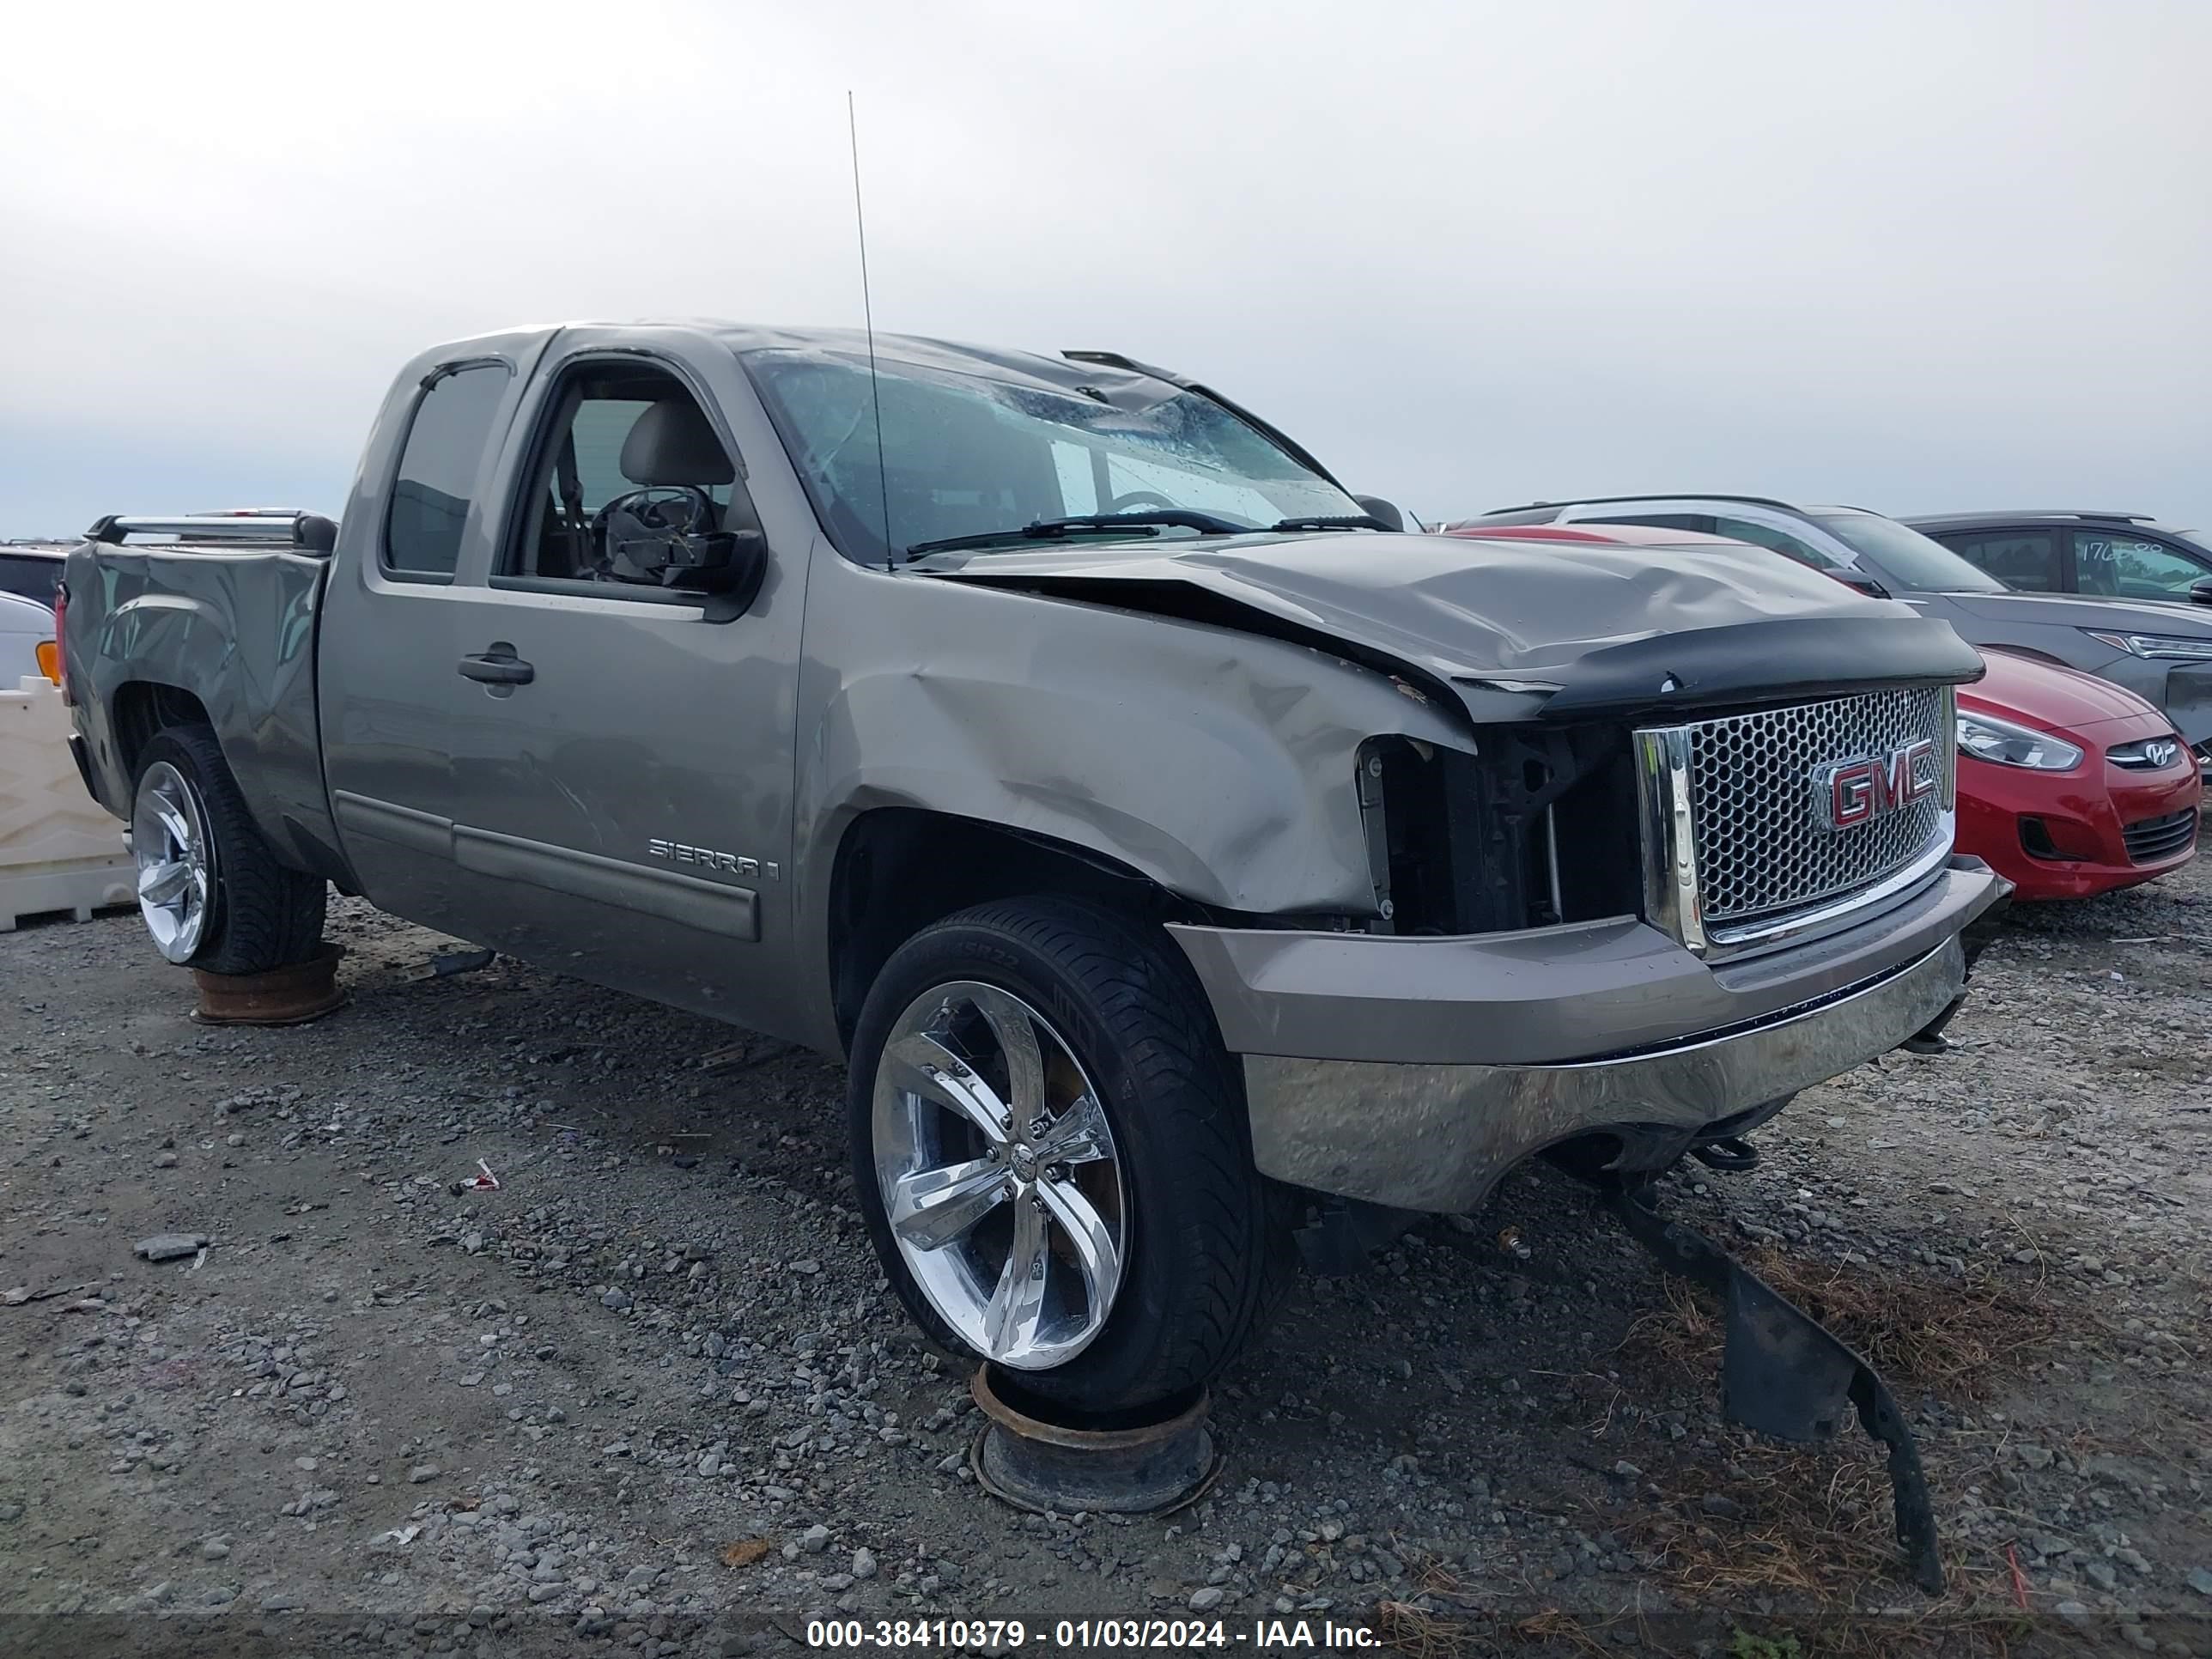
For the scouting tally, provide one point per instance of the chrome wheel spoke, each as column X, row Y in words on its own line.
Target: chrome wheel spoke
column 972, row 1169
column 933, row 1208
column 921, row 1065
column 174, row 826
column 1078, row 1135
column 169, row 845
column 1012, row 1024
column 1096, row 1253
column 1009, row 1324
column 163, row 884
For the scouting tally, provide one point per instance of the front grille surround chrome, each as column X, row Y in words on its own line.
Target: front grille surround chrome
column 1703, row 860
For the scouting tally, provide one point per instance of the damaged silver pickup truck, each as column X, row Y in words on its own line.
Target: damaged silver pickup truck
column 1182, row 856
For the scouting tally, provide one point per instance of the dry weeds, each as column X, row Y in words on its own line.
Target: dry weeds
column 1920, row 1333
column 1813, row 1525
column 1415, row 1630
column 1793, row 1521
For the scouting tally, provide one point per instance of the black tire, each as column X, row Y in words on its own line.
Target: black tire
column 261, row 915
column 1207, row 1254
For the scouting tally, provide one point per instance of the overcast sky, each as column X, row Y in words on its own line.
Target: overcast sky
column 1914, row 257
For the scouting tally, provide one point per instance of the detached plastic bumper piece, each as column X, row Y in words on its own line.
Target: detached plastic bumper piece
column 1784, row 1375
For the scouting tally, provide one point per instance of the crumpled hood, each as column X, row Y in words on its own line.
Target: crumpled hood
column 1582, row 623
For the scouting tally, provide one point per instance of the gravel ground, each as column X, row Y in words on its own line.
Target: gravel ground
column 652, row 1395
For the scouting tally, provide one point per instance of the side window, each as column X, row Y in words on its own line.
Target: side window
column 630, row 484
column 438, row 467
column 2024, row 559
column 30, row 576
column 2132, row 567
column 1759, row 535
column 1701, row 522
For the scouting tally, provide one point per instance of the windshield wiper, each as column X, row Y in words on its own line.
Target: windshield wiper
column 1110, row 524
column 1331, row 521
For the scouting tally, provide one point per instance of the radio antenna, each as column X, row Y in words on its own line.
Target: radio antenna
column 868, row 313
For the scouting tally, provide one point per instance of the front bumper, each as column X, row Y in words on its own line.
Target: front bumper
column 1414, row 1071
column 2077, row 823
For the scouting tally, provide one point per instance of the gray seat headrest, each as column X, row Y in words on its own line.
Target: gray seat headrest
column 672, row 444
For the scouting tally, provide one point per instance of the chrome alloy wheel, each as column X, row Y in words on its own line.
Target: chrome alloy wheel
column 999, row 1175
column 169, row 842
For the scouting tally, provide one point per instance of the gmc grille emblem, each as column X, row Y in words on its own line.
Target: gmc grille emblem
column 1847, row 794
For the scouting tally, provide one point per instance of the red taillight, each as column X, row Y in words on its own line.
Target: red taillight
column 51, row 657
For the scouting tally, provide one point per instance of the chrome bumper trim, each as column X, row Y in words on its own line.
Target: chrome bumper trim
column 1437, row 1138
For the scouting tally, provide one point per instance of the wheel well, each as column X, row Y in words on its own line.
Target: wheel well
column 899, row 869
column 143, row 708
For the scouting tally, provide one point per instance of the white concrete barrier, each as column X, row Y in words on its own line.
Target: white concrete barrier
column 59, row 850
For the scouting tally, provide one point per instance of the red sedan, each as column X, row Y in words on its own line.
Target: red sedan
column 2068, row 785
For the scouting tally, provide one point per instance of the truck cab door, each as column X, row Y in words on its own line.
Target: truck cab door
column 622, row 724
column 386, row 639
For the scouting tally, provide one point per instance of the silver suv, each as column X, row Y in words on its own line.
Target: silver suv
column 2160, row 651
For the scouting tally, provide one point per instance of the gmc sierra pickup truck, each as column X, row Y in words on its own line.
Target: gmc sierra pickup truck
column 1178, row 853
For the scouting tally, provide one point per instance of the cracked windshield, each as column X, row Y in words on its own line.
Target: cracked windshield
column 965, row 456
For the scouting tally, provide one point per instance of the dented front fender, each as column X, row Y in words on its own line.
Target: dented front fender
column 1218, row 764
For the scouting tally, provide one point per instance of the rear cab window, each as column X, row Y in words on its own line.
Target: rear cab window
column 435, row 484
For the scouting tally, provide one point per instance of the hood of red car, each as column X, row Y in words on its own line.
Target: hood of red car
column 2051, row 697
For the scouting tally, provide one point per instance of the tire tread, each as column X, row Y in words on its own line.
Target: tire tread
column 1233, row 1259
column 265, row 915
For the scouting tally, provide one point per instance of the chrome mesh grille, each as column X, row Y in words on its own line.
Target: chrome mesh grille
column 1760, row 848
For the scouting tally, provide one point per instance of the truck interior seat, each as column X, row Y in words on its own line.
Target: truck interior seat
column 672, row 443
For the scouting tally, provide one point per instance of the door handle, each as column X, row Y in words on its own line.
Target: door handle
column 497, row 669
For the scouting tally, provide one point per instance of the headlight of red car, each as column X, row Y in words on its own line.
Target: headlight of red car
column 1987, row 738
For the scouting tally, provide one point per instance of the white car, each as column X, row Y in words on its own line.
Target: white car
column 32, row 568
column 27, row 641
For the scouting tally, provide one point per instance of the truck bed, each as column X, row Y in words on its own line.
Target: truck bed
column 220, row 619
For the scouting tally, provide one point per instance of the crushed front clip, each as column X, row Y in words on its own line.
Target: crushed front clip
column 1786, row 1376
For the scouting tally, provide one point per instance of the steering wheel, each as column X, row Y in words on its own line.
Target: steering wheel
column 1136, row 498
column 679, row 507
column 657, row 517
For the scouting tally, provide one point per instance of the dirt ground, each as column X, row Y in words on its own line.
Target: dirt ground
column 651, row 1395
